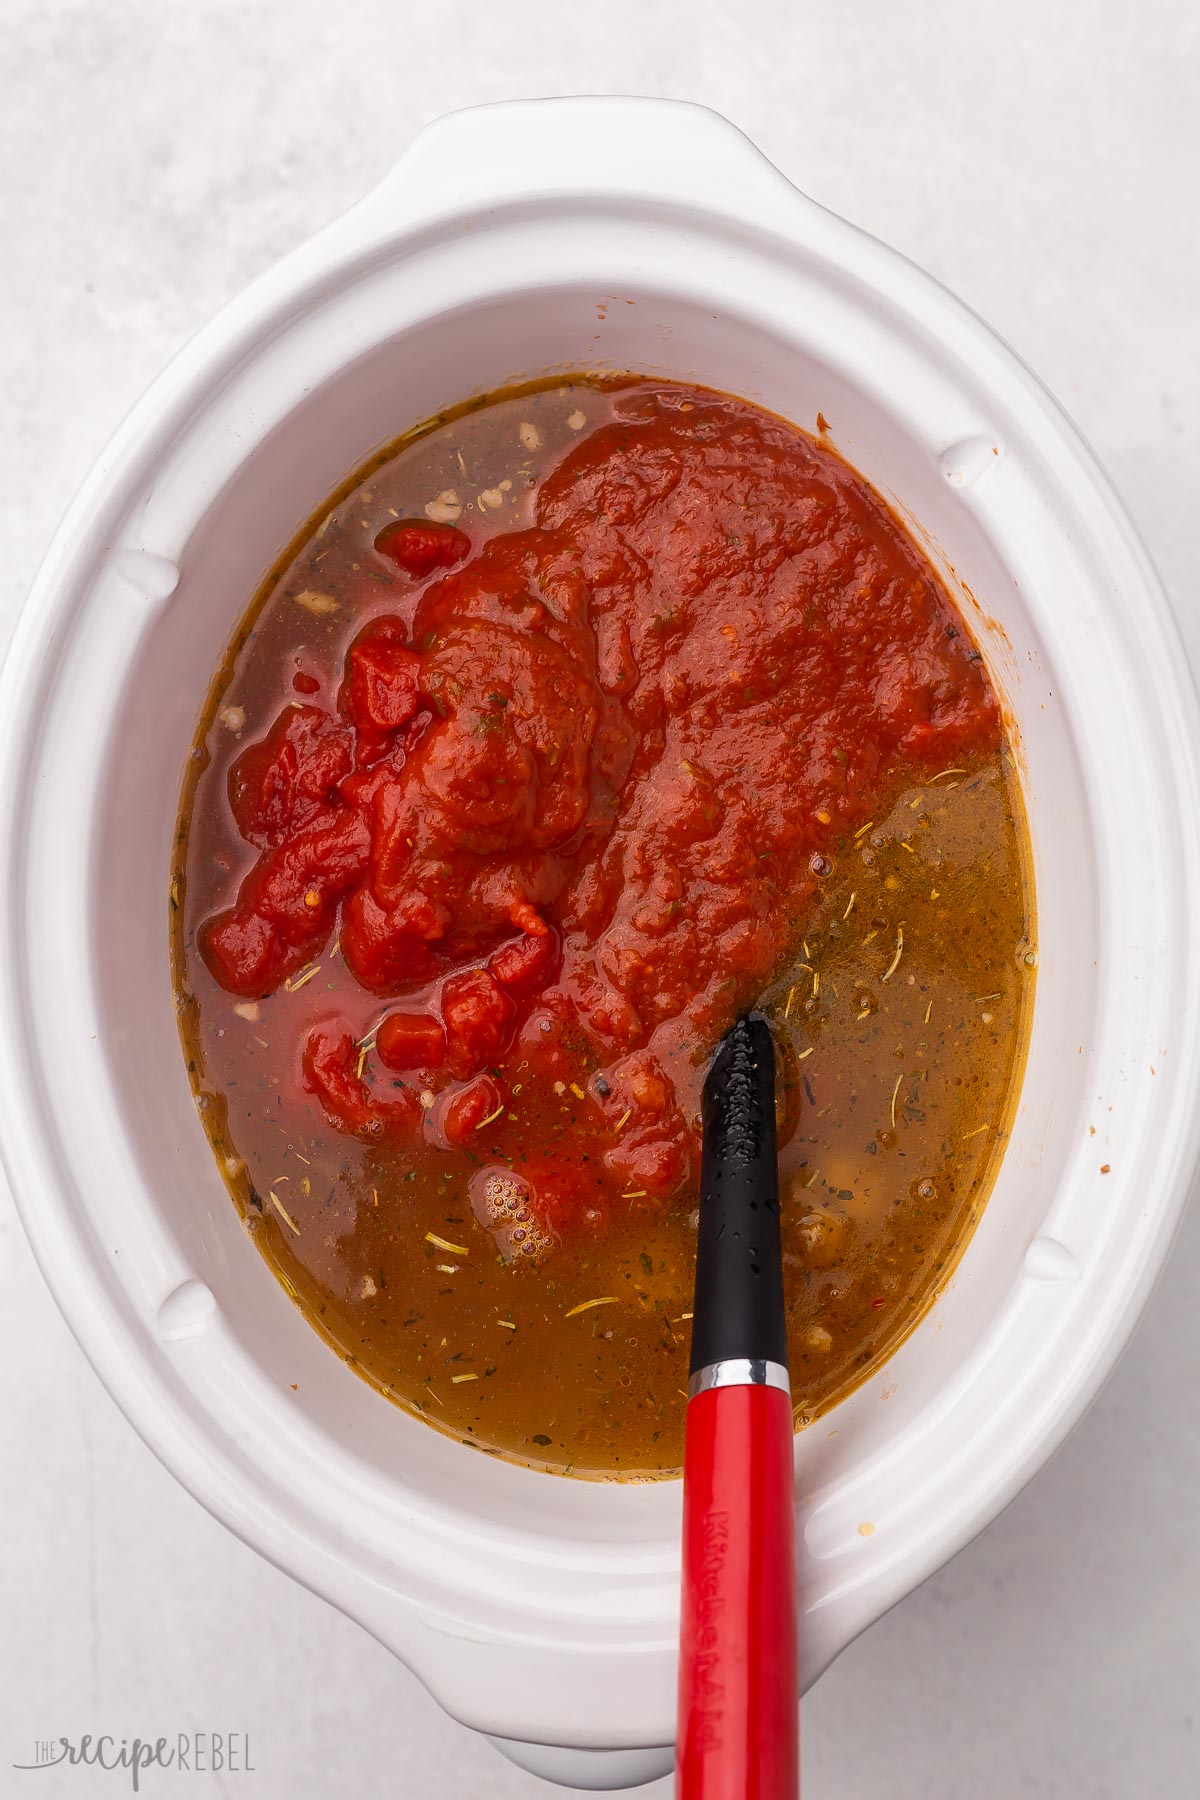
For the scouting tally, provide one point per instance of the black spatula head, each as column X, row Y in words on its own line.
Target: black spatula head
column 738, row 1310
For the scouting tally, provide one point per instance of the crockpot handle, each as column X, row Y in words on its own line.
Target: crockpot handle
column 641, row 150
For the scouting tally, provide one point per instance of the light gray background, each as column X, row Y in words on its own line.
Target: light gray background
column 1041, row 158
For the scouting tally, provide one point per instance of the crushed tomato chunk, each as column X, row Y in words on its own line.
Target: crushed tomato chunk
column 418, row 546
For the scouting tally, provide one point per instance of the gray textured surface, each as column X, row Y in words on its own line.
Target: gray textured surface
column 1042, row 160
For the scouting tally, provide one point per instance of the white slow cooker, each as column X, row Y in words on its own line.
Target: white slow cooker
column 507, row 242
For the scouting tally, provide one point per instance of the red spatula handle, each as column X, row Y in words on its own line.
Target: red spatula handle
column 738, row 1712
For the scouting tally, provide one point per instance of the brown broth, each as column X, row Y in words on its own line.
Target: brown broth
column 902, row 1021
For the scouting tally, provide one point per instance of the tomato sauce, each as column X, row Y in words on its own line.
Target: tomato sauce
column 554, row 785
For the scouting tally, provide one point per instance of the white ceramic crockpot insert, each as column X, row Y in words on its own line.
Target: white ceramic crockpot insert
column 507, row 242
